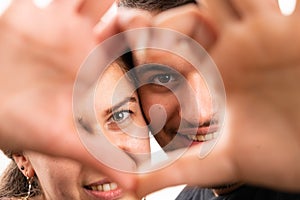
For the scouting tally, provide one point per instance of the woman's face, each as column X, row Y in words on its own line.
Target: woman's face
column 66, row 179
column 119, row 113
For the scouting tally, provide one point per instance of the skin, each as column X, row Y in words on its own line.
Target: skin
column 195, row 112
column 195, row 115
column 47, row 62
column 255, row 29
column 261, row 97
column 63, row 178
column 120, row 123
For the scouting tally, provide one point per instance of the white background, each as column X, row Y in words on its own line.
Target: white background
column 287, row 7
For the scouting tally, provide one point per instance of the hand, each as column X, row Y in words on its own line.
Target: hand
column 257, row 56
column 257, row 53
column 41, row 51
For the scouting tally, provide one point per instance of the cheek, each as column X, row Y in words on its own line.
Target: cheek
column 137, row 138
column 57, row 176
column 139, row 145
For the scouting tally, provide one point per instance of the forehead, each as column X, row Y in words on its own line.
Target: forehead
column 156, row 56
column 112, row 86
column 110, row 76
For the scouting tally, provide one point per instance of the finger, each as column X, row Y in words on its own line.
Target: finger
column 91, row 9
column 94, row 9
column 4, row 6
column 189, row 20
column 104, row 30
column 124, row 20
column 297, row 7
column 129, row 19
column 78, row 152
column 222, row 11
column 64, row 5
column 138, row 21
column 133, row 18
column 15, row 6
column 126, row 180
column 190, row 169
column 250, row 7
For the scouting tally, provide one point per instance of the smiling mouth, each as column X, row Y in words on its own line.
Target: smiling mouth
column 201, row 134
column 104, row 190
column 203, row 138
column 106, row 187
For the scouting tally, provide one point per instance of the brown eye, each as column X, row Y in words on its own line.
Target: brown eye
column 164, row 78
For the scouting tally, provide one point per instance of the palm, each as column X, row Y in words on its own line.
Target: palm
column 39, row 59
column 258, row 82
column 40, row 53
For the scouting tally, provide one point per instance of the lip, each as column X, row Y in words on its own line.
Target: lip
column 110, row 195
column 184, row 136
column 199, row 130
column 103, row 195
column 194, row 143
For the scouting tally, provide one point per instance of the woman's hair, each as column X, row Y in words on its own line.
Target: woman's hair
column 13, row 184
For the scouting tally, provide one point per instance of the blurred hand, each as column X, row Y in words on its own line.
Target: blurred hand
column 256, row 53
column 256, row 49
column 40, row 53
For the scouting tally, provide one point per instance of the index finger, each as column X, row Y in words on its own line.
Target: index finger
column 189, row 20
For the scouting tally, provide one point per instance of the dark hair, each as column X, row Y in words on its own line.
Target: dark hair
column 13, row 184
column 153, row 5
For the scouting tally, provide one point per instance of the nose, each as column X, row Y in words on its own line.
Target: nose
column 197, row 106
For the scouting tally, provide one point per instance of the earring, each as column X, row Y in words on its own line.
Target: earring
column 29, row 180
column 22, row 167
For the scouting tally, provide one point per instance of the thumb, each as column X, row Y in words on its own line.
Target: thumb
column 93, row 9
column 104, row 30
column 124, row 20
column 214, row 169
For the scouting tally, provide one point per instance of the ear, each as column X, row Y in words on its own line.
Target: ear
column 24, row 165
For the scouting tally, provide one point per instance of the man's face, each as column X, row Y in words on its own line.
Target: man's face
column 171, row 82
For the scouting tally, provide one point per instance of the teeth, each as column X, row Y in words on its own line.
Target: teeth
column 99, row 188
column 113, row 186
column 203, row 138
column 105, row 187
column 94, row 188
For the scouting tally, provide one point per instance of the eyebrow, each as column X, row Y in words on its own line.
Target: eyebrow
column 120, row 104
column 152, row 67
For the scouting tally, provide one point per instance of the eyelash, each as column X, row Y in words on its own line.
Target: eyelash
column 172, row 83
column 116, row 125
column 112, row 120
column 172, row 78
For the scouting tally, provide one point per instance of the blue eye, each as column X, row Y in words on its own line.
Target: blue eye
column 119, row 120
column 120, row 115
